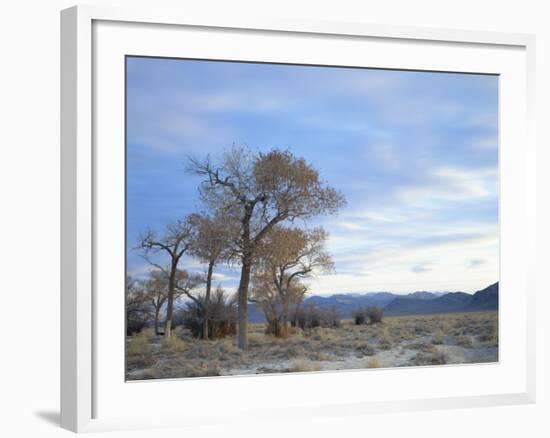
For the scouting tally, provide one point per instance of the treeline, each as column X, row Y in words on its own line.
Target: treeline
column 250, row 204
column 145, row 307
column 145, row 300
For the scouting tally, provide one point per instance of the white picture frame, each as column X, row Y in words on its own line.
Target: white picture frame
column 91, row 399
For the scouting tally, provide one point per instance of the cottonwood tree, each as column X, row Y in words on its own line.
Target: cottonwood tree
column 300, row 291
column 157, row 293
column 157, row 289
column 266, row 297
column 173, row 243
column 256, row 192
column 288, row 255
column 211, row 245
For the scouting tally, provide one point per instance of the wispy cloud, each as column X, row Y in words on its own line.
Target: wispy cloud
column 476, row 263
column 422, row 267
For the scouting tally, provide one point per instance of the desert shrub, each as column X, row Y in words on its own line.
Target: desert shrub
column 436, row 358
column 373, row 363
column 331, row 318
column 138, row 345
column 384, row 343
column 308, row 317
column 437, row 337
column 273, row 313
column 320, row 355
column 274, row 326
column 374, row 314
column 148, row 332
column 383, row 336
column 359, row 316
column 134, row 325
column 191, row 317
column 172, row 344
column 404, row 333
column 312, row 317
column 365, row 350
column 202, row 369
column 422, row 346
column 226, row 346
column 258, row 339
column 302, row 365
column 421, row 328
column 291, row 331
column 222, row 319
column 464, row 341
column 490, row 335
column 296, row 351
column 324, row 335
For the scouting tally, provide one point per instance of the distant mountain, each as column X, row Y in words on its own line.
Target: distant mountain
column 413, row 306
column 423, row 295
column 346, row 303
column 416, row 303
column 486, row 299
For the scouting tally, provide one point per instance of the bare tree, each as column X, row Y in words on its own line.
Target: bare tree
column 157, row 292
column 138, row 309
column 287, row 255
column 256, row 192
column 265, row 295
column 187, row 285
column 210, row 244
column 174, row 243
column 299, row 294
column 156, row 288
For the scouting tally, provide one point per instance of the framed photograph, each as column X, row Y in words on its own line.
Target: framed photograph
column 322, row 217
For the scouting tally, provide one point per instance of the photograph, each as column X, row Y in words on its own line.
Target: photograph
column 285, row 218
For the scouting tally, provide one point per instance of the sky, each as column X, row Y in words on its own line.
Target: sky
column 414, row 153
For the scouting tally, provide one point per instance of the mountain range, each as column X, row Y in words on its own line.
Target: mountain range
column 416, row 303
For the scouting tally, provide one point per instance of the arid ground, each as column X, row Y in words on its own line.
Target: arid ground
column 396, row 342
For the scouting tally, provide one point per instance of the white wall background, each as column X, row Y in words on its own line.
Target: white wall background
column 29, row 214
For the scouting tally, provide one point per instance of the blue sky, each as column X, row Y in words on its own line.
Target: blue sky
column 415, row 153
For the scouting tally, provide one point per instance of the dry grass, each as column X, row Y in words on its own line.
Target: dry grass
column 148, row 332
column 435, row 358
column 138, row 345
column 373, row 362
column 437, row 337
column 302, row 364
column 397, row 341
column 172, row 344
column 320, row 356
column 464, row 341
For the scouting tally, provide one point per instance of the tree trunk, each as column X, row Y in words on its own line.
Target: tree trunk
column 285, row 316
column 170, row 301
column 246, row 260
column 206, row 310
column 243, row 303
column 157, row 312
